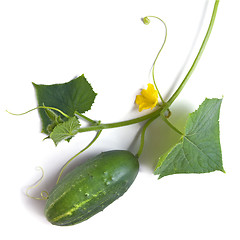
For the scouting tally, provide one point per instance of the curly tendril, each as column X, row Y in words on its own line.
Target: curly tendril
column 146, row 21
column 43, row 194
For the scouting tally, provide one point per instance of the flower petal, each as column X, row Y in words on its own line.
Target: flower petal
column 148, row 98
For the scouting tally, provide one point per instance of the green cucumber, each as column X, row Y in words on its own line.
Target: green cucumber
column 91, row 187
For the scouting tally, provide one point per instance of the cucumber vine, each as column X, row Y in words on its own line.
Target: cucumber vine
column 61, row 119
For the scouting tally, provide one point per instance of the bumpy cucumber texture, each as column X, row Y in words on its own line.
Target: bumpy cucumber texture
column 91, row 187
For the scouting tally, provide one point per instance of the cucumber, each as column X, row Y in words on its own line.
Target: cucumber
column 91, row 187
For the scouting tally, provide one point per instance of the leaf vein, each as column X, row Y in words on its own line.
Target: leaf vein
column 201, row 150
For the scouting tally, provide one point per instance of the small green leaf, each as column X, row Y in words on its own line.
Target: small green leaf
column 65, row 130
column 76, row 95
column 199, row 150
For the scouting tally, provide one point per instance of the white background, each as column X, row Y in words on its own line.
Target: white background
column 50, row 42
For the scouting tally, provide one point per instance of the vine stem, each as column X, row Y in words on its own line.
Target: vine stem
column 143, row 135
column 72, row 158
column 85, row 118
column 200, row 52
column 123, row 123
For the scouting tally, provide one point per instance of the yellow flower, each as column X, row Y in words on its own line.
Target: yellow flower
column 148, row 98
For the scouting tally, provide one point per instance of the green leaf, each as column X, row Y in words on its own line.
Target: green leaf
column 76, row 95
column 199, row 150
column 65, row 130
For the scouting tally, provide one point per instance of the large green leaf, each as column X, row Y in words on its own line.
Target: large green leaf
column 76, row 95
column 199, row 149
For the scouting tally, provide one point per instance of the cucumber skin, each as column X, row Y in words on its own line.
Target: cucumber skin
column 91, row 187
